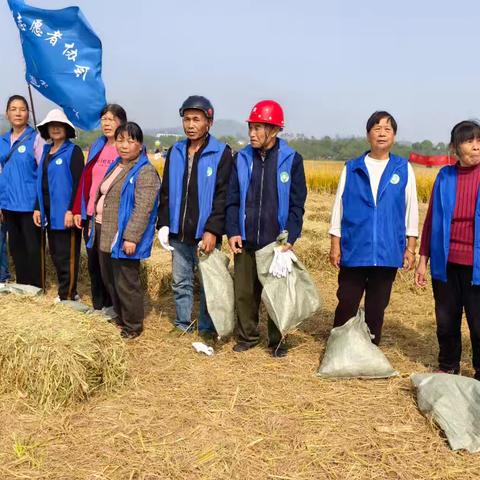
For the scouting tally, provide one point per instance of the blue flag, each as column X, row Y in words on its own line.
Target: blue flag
column 63, row 58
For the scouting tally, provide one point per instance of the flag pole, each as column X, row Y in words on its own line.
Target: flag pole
column 31, row 103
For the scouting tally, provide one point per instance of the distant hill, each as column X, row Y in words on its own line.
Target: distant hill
column 221, row 128
column 4, row 125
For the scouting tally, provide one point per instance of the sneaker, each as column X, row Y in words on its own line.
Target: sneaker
column 453, row 371
column 280, row 351
column 109, row 312
column 129, row 335
column 242, row 347
column 56, row 300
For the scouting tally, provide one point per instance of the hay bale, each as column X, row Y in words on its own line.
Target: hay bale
column 55, row 356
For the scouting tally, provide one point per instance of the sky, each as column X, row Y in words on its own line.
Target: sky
column 329, row 63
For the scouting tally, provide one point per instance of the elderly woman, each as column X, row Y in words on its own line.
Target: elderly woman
column 20, row 152
column 101, row 155
column 451, row 239
column 125, row 210
column 59, row 172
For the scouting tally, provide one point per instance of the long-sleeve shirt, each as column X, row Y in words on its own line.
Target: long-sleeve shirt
column 463, row 220
column 77, row 163
column 375, row 170
column 189, row 210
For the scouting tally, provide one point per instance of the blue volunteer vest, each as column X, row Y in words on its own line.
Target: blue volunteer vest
column 443, row 205
column 18, row 180
column 95, row 149
column 374, row 234
column 206, row 178
column 60, row 184
column 286, row 155
column 127, row 202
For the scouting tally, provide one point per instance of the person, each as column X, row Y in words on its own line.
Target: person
column 101, row 155
column 192, row 206
column 59, row 172
column 266, row 196
column 451, row 238
column 20, row 152
column 374, row 225
column 123, row 224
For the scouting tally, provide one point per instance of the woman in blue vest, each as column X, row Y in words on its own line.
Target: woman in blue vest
column 374, row 226
column 124, row 223
column 266, row 196
column 20, row 152
column 101, row 155
column 451, row 239
column 58, row 175
column 192, row 206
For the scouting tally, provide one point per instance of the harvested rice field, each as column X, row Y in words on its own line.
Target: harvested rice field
column 183, row 415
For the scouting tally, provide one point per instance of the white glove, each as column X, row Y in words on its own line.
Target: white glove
column 282, row 263
column 163, row 239
column 202, row 348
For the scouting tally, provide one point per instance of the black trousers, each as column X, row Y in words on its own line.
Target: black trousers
column 248, row 291
column 451, row 298
column 122, row 278
column 100, row 296
column 376, row 283
column 25, row 245
column 64, row 246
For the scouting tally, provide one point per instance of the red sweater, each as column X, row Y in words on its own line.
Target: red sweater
column 462, row 228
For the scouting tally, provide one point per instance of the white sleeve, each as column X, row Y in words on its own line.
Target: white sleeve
column 337, row 211
column 411, row 204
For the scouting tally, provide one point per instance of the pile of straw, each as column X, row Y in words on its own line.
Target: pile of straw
column 55, row 356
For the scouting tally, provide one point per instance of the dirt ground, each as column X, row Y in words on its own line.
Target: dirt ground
column 246, row 416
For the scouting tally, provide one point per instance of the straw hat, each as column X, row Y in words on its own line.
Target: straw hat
column 56, row 115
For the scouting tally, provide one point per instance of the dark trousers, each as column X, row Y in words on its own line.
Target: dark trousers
column 122, row 278
column 376, row 283
column 64, row 246
column 25, row 245
column 248, row 291
column 100, row 296
column 451, row 298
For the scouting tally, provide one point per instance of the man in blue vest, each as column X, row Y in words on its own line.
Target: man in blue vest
column 374, row 225
column 266, row 196
column 192, row 206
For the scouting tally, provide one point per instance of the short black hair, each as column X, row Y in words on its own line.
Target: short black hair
column 115, row 110
column 132, row 129
column 17, row 97
column 375, row 118
column 463, row 132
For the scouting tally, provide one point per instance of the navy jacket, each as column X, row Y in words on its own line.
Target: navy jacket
column 261, row 221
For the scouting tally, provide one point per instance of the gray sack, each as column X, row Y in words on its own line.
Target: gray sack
column 290, row 300
column 350, row 353
column 453, row 402
column 218, row 286
column 19, row 289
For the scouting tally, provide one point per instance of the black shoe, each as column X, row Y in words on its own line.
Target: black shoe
column 280, row 351
column 242, row 347
column 129, row 335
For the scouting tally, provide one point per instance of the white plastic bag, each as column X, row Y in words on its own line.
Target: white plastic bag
column 350, row 353
column 453, row 402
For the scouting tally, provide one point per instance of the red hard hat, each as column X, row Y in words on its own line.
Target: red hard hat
column 267, row 111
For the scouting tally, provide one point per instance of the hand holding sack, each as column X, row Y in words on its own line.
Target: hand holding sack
column 289, row 294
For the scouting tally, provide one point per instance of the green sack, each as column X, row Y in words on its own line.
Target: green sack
column 350, row 353
column 218, row 286
column 289, row 300
column 20, row 289
column 453, row 402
